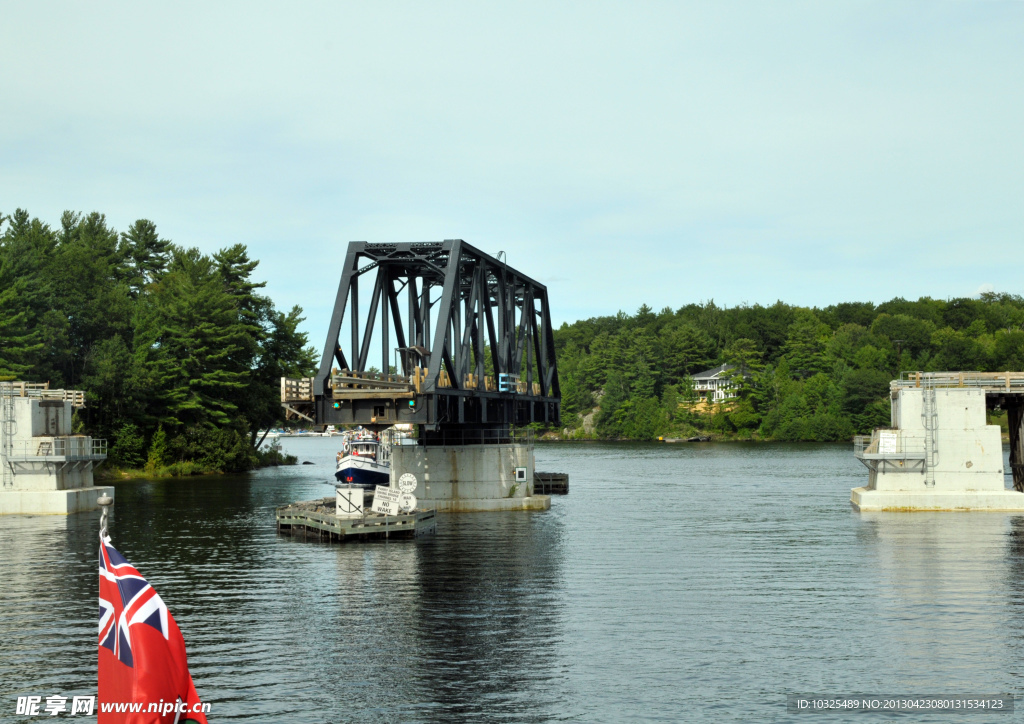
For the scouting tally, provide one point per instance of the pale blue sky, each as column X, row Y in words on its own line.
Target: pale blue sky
column 621, row 153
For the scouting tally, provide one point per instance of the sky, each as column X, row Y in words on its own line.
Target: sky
column 620, row 153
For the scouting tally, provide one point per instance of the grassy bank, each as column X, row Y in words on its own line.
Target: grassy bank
column 271, row 456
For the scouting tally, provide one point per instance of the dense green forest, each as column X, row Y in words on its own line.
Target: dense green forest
column 812, row 374
column 178, row 352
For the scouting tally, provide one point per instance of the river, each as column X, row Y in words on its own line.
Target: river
column 698, row 582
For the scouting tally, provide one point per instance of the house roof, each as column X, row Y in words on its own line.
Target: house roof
column 712, row 373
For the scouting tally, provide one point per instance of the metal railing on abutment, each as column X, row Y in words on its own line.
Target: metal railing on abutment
column 989, row 381
column 62, row 448
column 893, row 444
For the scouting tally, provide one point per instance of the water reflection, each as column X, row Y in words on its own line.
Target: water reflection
column 947, row 585
column 47, row 606
column 489, row 616
column 727, row 577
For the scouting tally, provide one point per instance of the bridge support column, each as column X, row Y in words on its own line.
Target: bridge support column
column 470, row 478
column 1015, row 418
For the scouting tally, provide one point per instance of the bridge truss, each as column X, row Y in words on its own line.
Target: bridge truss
column 466, row 349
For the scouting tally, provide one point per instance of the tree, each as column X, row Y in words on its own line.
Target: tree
column 805, row 381
column 685, row 349
column 955, row 350
column 86, row 286
column 146, row 254
column 17, row 344
column 904, row 331
column 159, row 337
column 745, row 358
column 190, row 337
column 615, row 395
column 281, row 352
column 640, row 369
column 861, row 387
column 805, row 345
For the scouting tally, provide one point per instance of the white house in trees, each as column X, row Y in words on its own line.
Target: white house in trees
column 715, row 384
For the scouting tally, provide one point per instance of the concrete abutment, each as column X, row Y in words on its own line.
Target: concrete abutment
column 470, row 478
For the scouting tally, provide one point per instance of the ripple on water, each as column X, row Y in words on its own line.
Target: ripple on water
column 691, row 582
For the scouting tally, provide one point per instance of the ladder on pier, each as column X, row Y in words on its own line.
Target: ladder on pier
column 930, row 418
column 7, row 430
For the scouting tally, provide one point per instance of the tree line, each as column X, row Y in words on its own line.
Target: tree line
column 800, row 373
column 179, row 353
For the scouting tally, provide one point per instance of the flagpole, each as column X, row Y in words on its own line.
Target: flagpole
column 104, row 501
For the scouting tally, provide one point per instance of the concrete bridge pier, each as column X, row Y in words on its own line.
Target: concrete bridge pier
column 940, row 453
column 1015, row 418
column 44, row 468
column 458, row 477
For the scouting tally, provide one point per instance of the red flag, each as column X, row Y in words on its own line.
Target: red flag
column 143, row 671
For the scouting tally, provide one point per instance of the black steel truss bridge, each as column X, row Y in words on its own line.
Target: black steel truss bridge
column 463, row 342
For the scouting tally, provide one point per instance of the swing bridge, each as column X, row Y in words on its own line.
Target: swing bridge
column 437, row 334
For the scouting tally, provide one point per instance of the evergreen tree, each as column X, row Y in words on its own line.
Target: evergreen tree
column 158, row 337
column 189, row 338
column 146, row 254
column 17, row 344
column 805, row 344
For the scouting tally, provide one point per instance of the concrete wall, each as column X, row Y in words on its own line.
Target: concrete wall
column 52, row 476
column 52, row 502
column 34, row 418
column 465, row 471
column 40, row 486
column 469, row 478
column 969, row 453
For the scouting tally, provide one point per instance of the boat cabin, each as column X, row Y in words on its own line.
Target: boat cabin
column 362, row 448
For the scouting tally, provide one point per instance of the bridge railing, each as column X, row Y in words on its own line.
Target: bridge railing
column 994, row 381
column 75, row 447
column 888, row 444
column 296, row 389
column 42, row 391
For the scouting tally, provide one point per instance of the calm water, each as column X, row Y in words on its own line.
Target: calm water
column 674, row 583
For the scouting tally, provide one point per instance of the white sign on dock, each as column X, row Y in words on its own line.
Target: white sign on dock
column 385, row 500
column 407, row 483
column 348, row 502
column 407, row 502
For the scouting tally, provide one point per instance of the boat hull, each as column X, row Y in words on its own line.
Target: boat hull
column 362, row 473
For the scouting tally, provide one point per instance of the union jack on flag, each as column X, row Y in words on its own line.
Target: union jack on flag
column 141, row 650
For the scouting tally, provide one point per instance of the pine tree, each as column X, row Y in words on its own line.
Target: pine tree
column 146, row 254
column 17, row 344
column 188, row 337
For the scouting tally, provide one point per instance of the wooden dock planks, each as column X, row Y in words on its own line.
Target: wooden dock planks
column 312, row 519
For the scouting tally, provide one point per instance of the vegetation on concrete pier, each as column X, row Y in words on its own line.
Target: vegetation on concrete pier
column 813, row 374
column 179, row 353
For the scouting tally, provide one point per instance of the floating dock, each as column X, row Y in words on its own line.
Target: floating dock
column 317, row 519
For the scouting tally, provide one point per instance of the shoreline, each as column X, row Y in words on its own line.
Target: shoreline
column 177, row 470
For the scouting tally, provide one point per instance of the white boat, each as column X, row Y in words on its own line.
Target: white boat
column 364, row 460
